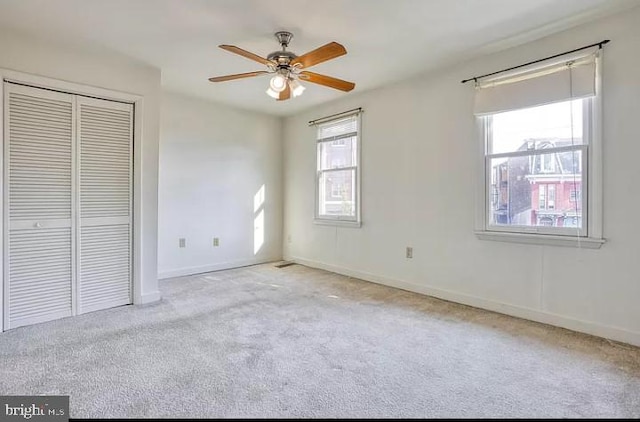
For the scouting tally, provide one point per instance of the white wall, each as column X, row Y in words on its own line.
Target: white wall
column 419, row 166
column 104, row 69
column 213, row 161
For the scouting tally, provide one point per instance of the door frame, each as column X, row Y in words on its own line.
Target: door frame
column 7, row 75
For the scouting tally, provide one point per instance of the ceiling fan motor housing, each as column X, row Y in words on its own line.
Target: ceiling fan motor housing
column 282, row 57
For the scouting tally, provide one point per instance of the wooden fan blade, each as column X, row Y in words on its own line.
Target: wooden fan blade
column 325, row 80
column 319, row 55
column 286, row 94
column 237, row 76
column 245, row 53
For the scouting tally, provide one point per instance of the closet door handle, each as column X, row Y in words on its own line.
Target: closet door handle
column 38, row 225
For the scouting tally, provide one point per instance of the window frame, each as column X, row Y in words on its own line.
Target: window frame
column 340, row 220
column 590, row 235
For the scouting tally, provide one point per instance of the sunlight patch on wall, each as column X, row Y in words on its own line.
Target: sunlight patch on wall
column 258, row 222
column 258, row 199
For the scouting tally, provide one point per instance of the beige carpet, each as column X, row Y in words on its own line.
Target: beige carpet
column 299, row 342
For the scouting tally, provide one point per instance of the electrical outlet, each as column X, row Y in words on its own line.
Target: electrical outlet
column 182, row 242
column 289, row 239
column 409, row 252
column 216, row 241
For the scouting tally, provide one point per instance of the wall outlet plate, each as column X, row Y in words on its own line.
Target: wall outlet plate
column 216, row 241
column 409, row 252
column 182, row 242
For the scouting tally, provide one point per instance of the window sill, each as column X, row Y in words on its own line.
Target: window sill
column 338, row 223
column 542, row 239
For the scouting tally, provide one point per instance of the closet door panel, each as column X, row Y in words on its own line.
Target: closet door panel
column 38, row 205
column 105, row 163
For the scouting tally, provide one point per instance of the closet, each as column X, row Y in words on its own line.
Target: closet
column 67, row 204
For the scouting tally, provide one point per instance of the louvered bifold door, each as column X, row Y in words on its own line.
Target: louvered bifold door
column 104, row 232
column 38, row 205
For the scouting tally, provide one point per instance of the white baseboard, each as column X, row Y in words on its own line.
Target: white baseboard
column 149, row 298
column 180, row 272
column 613, row 333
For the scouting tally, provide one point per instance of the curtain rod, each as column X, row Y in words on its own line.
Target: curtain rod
column 313, row 122
column 599, row 44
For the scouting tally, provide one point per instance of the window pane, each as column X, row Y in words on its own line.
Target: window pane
column 546, row 126
column 521, row 194
column 337, row 154
column 337, row 193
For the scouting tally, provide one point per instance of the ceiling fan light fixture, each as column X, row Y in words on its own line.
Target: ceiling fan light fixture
column 273, row 94
column 296, row 87
column 278, row 83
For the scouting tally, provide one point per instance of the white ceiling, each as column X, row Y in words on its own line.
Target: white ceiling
column 386, row 40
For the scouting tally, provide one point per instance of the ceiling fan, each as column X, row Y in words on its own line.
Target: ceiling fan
column 287, row 68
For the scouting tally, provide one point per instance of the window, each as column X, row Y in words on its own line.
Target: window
column 339, row 143
column 546, row 221
column 542, row 194
column 571, row 222
column 548, row 163
column 336, row 190
column 539, row 151
column 551, row 201
column 337, row 181
column 574, row 195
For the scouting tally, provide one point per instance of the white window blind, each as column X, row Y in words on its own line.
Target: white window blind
column 573, row 78
column 334, row 131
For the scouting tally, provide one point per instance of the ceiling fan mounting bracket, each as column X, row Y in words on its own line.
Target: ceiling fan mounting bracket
column 284, row 38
